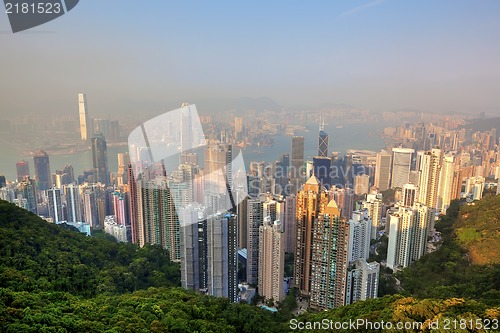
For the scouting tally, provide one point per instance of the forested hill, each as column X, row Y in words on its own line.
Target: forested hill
column 40, row 256
column 54, row 279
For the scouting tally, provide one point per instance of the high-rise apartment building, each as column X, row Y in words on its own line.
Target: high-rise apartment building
column 329, row 259
column 401, row 163
column 429, row 170
column 409, row 195
column 54, row 197
column 42, row 170
column 85, row 127
column 445, row 192
column 73, row 203
column 311, row 201
column 383, row 171
column 271, row 260
column 222, row 256
column 373, row 204
column 289, row 224
column 359, row 235
column 255, row 219
column 362, row 281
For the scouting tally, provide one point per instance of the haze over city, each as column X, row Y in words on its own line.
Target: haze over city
column 149, row 57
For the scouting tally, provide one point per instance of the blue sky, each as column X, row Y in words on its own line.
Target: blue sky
column 149, row 55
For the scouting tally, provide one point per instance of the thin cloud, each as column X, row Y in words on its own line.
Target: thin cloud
column 361, row 8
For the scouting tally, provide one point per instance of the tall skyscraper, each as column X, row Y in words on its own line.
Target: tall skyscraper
column 73, row 203
column 410, row 195
column 322, row 142
column 311, row 201
column 271, row 260
column 321, row 169
column 401, row 163
column 122, row 174
column 255, row 220
column 100, row 159
column 23, row 170
column 186, row 128
column 222, row 256
column 297, row 163
column 85, row 131
column 218, row 158
column 190, row 248
column 383, row 171
column 27, row 188
column 329, row 259
column 374, row 204
column 42, row 170
column 429, row 169
column 289, row 224
column 445, row 192
column 359, row 235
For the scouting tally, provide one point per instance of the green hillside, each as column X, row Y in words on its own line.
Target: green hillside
column 54, row 279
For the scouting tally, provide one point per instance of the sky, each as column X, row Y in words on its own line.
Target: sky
column 148, row 56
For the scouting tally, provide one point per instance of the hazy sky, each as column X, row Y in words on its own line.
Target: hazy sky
column 147, row 55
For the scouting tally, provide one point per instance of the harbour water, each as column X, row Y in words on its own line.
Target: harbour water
column 360, row 135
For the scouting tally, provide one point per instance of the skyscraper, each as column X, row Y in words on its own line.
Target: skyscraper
column 373, row 204
column 190, row 248
column 401, row 163
column 410, row 195
column 100, row 159
column 311, row 202
column 383, row 171
column 23, row 170
column 321, row 169
column 42, row 170
column 271, row 260
column 297, row 163
column 362, row 281
column 55, row 204
column 254, row 221
column 445, row 192
column 329, row 259
column 429, row 169
column 322, row 143
column 73, row 203
column 85, row 131
column 222, row 256
column 218, row 175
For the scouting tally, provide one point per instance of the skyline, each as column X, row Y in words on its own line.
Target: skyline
column 376, row 55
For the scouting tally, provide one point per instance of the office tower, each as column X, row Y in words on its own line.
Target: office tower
column 271, row 260
column 222, row 256
column 23, row 170
column 255, row 219
column 361, row 184
column 42, row 170
column 285, row 163
column 64, row 176
column 3, row 182
column 374, row 204
column 329, row 259
column 445, row 192
column 289, row 224
column 27, row 188
column 359, row 236
column 100, row 159
column 322, row 170
column 122, row 174
column 410, row 195
column 429, row 168
column 401, row 162
column 362, row 281
column 238, row 128
column 157, row 221
column 311, row 201
column 383, row 171
column 73, row 203
column 85, row 132
column 102, row 126
column 322, row 142
column 297, row 163
column 114, row 131
column 55, row 201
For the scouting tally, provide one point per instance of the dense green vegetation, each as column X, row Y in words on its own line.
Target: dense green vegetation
column 53, row 279
column 452, row 271
column 39, row 256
